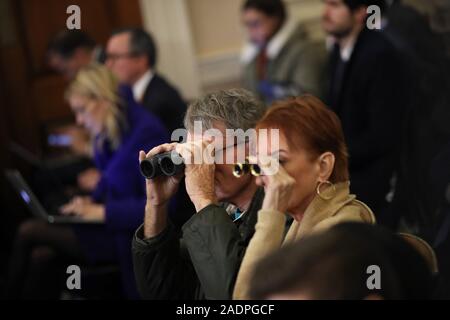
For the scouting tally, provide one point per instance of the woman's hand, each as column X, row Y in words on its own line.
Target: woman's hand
column 200, row 170
column 80, row 138
column 88, row 179
column 278, row 185
column 160, row 189
column 85, row 208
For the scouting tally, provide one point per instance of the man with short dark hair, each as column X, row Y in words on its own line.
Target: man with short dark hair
column 131, row 54
column 70, row 50
column 366, row 90
column 280, row 59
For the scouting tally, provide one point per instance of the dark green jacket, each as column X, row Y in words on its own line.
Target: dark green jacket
column 201, row 262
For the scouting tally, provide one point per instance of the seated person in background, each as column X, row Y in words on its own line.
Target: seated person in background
column 280, row 59
column 202, row 261
column 336, row 265
column 131, row 54
column 311, row 185
column 121, row 128
column 71, row 50
column 67, row 53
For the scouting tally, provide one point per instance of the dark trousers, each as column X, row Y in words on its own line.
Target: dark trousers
column 40, row 252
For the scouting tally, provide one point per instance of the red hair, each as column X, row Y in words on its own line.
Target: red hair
column 308, row 124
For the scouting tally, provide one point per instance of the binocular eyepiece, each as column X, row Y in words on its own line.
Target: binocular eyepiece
column 241, row 169
column 162, row 164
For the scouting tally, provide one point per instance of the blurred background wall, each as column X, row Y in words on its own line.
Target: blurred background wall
column 200, row 40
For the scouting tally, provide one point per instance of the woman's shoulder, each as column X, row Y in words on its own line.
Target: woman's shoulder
column 143, row 121
column 353, row 211
column 143, row 132
column 356, row 210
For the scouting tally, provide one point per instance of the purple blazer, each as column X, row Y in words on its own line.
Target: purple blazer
column 122, row 191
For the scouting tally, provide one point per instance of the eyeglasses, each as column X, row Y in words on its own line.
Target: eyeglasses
column 83, row 109
column 117, row 56
column 221, row 154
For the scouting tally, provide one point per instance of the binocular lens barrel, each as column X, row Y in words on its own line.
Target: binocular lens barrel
column 243, row 168
column 161, row 165
column 149, row 170
column 255, row 170
column 240, row 169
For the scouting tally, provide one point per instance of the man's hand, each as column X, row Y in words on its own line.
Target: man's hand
column 200, row 170
column 160, row 189
column 159, row 192
column 85, row 208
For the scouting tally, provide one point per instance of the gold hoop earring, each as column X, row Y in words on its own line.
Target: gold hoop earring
column 321, row 183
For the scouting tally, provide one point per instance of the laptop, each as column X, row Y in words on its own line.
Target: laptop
column 35, row 206
column 41, row 162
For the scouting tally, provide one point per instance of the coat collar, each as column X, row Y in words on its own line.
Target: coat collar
column 140, row 86
column 320, row 209
column 275, row 45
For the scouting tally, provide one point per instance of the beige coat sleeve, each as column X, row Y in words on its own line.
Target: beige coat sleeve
column 269, row 232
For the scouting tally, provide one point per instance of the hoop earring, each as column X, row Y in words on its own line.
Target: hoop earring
column 321, row 183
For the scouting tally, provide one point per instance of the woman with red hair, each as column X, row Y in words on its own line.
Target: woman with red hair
column 311, row 184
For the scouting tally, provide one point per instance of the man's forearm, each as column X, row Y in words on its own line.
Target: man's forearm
column 155, row 220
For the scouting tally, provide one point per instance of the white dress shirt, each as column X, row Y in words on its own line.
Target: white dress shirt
column 140, row 85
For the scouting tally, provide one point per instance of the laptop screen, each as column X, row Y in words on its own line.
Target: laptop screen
column 25, row 196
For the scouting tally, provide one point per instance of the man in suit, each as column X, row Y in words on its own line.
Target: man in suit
column 70, row 50
column 131, row 55
column 280, row 59
column 366, row 90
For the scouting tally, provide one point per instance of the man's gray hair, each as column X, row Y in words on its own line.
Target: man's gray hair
column 236, row 108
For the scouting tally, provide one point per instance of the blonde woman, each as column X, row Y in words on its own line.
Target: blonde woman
column 120, row 129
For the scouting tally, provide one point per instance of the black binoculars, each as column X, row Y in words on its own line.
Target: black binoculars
column 243, row 168
column 162, row 165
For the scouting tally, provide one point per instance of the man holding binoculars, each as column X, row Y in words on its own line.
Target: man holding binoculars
column 201, row 261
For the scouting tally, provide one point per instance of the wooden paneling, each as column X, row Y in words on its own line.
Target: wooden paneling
column 42, row 19
column 33, row 94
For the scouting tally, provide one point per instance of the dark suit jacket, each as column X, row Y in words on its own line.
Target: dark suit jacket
column 164, row 101
column 370, row 106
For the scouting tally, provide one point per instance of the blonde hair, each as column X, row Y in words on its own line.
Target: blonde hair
column 98, row 83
